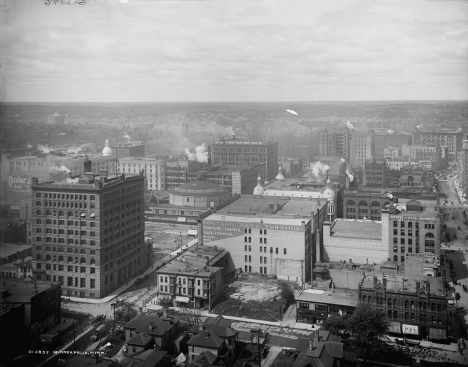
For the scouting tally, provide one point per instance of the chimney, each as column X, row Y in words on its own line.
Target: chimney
column 375, row 281
column 428, row 287
column 333, row 286
column 151, row 326
column 347, row 182
column 418, row 285
column 200, row 327
column 200, row 232
column 384, row 280
column 209, row 158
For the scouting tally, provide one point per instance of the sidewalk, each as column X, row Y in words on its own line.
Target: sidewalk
column 131, row 283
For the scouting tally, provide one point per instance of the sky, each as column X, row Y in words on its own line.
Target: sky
column 233, row 50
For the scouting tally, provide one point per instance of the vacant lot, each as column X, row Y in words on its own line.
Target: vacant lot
column 256, row 296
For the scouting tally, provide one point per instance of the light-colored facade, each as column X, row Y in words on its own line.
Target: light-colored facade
column 452, row 139
column 385, row 141
column 362, row 147
column 154, row 170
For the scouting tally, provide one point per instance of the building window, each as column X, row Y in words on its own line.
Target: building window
column 285, row 251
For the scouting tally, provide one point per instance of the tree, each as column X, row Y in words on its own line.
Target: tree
column 363, row 331
column 192, row 316
column 165, row 302
column 125, row 311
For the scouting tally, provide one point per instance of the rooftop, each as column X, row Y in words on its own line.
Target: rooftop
column 271, row 206
column 274, row 220
column 357, row 228
column 83, row 360
column 7, row 249
column 179, row 267
column 335, row 298
column 22, row 290
column 222, row 168
column 206, row 339
column 204, row 254
column 200, row 188
column 140, row 320
column 222, row 141
column 88, row 181
column 397, row 283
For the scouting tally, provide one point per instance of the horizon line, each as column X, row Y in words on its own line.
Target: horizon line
column 271, row 101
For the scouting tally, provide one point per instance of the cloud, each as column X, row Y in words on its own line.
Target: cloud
column 222, row 50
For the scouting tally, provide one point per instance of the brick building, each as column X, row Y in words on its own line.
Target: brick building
column 451, row 139
column 263, row 153
column 415, row 308
column 362, row 147
column 269, row 235
column 88, row 233
column 316, row 305
column 386, row 140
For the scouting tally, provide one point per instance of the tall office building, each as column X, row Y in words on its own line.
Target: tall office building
column 386, row 140
column 464, row 164
column 452, row 139
column 335, row 143
column 362, row 147
column 263, row 153
column 88, row 233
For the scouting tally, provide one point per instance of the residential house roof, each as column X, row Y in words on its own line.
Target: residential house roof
column 140, row 320
column 206, row 339
column 141, row 340
column 206, row 358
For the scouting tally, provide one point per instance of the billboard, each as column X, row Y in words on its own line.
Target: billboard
column 17, row 183
column 219, row 229
column 410, row 329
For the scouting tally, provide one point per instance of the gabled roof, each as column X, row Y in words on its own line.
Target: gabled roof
column 150, row 358
column 206, row 358
column 140, row 320
column 218, row 320
column 206, row 339
column 141, row 339
column 159, row 327
column 221, row 331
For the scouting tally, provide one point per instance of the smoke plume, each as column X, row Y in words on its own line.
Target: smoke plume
column 43, row 149
column 319, row 170
column 350, row 175
column 56, row 169
column 350, row 125
column 342, row 160
column 390, row 131
column 198, row 154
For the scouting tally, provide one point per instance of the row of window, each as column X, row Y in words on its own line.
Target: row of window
column 69, row 241
column 407, row 304
column 61, row 259
column 69, row 250
column 70, row 268
column 403, row 224
column 65, row 196
column 68, row 222
column 264, row 249
column 249, row 230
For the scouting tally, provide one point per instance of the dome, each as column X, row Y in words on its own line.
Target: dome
column 201, row 188
column 280, row 176
column 259, row 190
column 329, row 193
column 107, row 151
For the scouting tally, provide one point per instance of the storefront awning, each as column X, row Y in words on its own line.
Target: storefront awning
column 182, row 299
column 181, row 219
column 395, row 327
column 439, row 334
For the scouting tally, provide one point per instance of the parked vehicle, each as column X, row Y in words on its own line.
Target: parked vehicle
column 98, row 332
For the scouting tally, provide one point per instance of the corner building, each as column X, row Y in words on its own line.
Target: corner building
column 88, row 233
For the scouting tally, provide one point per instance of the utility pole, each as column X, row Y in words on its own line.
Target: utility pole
column 74, row 338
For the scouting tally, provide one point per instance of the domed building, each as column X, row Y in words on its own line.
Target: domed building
column 107, row 151
column 199, row 194
column 280, row 175
column 259, row 190
column 330, row 195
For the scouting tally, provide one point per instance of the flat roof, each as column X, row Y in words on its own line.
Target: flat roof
column 279, row 220
column 7, row 249
column 22, row 290
column 335, row 298
column 251, row 204
column 187, row 268
column 201, row 252
column 357, row 228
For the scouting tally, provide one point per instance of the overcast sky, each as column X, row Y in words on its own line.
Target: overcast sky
column 234, row 50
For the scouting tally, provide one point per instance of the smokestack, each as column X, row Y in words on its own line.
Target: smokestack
column 375, row 281
column 347, row 182
column 428, row 287
column 384, row 280
column 418, row 285
column 200, row 232
column 209, row 158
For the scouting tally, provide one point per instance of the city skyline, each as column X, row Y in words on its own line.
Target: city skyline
column 207, row 51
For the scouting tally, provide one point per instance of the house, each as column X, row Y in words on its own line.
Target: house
column 150, row 332
column 208, row 341
column 229, row 335
column 147, row 358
